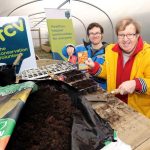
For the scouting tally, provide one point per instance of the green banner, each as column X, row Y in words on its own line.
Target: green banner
column 60, row 33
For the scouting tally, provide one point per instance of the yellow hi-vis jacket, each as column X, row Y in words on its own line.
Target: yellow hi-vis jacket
column 140, row 69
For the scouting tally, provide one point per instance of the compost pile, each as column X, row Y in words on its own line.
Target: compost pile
column 45, row 122
column 55, row 118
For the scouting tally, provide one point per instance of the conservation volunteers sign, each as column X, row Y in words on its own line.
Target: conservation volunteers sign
column 15, row 38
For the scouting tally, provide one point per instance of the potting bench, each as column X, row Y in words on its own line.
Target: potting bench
column 132, row 127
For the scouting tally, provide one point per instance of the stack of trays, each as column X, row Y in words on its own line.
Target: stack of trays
column 73, row 76
column 86, row 86
column 44, row 71
column 79, row 80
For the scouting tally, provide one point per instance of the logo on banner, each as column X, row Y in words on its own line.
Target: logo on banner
column 13, row 40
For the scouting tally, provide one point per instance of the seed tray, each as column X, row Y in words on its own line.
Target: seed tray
column 73, row 75
column 34, row 74
column 86, row 86
column 44, row 71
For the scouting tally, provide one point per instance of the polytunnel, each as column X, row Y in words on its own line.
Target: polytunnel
column 74, row 75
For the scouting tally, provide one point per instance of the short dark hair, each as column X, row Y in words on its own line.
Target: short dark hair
column 92, row 25
column 123, row 23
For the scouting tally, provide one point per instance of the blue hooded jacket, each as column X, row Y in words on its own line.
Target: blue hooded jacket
column 95, row 55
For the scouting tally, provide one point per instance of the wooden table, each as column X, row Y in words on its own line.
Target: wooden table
column 132, row 127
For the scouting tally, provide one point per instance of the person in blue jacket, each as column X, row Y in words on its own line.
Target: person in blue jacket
column 95, row 48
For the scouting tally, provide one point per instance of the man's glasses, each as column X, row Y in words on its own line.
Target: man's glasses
column 129, row 36
column 96, row 34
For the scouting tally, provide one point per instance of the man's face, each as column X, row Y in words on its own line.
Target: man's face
column 127, row 39
column 95, row 35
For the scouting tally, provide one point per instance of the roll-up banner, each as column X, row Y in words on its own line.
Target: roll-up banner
column 15, row 38
column 60, row 29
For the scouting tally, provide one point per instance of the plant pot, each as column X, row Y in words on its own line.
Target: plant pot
column 7, row 75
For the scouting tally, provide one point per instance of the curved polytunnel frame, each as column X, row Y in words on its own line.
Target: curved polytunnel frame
column 23, row 6
column 61, row 5
column 112, row 27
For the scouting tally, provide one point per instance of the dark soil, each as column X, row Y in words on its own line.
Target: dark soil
column 45, row 122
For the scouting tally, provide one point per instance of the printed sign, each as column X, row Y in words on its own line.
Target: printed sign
column 82, row 57
column 15, row 38
column 60, row 30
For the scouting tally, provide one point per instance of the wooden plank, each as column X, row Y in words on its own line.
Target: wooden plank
column 132, row 127
column 144, row 146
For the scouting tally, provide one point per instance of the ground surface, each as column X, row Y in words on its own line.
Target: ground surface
column 42, row 54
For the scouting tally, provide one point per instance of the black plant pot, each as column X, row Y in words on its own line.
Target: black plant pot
column 7, row 75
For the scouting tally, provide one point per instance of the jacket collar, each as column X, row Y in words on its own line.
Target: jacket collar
column 89, row 46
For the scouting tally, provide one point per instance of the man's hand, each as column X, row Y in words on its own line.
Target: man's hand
column 127, row 87
column 70, row 50
column 90, row 63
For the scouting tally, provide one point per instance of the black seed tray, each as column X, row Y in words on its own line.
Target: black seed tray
column 85, row 86
column 73, row 75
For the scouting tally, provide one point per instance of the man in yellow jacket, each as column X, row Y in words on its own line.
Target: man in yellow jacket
column 127, row 67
